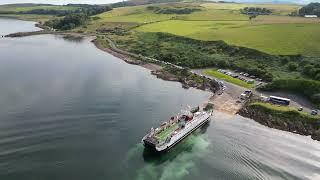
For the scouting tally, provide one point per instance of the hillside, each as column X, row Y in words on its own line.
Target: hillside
column 276, row 34
column 310, row 9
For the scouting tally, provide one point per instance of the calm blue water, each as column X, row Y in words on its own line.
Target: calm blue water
column 71, row 111
column 8, row 26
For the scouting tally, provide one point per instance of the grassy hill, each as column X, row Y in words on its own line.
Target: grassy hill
column 277, row 34
column 283, row 39
column 274, row 34
column 29, row 7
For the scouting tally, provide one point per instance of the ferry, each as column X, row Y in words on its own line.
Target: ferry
column 172, row 131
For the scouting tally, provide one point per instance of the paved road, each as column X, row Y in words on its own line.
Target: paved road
column 234, row 91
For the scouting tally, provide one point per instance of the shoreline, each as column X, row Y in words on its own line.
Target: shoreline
column 155, row 69
column 287, row 121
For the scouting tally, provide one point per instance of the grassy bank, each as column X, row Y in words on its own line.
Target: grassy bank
column 285, row 111
column 28, row 7
column 219, row 75
column 285, row 114
column 283, row 118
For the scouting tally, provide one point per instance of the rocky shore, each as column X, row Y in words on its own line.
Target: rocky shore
column 294, row 124
column 187, row 82
column 157, row 70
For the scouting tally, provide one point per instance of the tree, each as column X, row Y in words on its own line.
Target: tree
column 310, row 9
column 292, row 66
column 70, row 21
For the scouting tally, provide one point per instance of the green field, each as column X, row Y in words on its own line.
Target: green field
column 219, row 75
column 279, row 9
column 277, row 38
column 29, row 17
column 136, row 14
column 28, row 7
column 276, row 34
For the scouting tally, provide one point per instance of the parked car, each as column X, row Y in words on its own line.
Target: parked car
column 300, row 108
column 314, row 112
column 246, row 74
column 246, row 94
column 241, row 73
column 250, row 81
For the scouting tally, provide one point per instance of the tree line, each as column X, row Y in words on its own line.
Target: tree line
column 310, row 9
column 308, row 88
column 193, row 53
column 70, row 21
column 80, row 8
column 255, row 11
column 77, row 17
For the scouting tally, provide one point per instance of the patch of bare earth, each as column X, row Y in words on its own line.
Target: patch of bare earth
column 226, row 103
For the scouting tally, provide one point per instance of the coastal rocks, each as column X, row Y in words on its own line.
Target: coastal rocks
column 164, row 75
column 131, row 61
column 174, row 74
column 207, row 84
column 295, row 125
column 316, row 135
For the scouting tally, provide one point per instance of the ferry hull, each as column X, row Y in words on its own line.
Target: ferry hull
column 154, row 148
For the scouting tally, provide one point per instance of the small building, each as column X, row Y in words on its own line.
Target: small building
column 279, row 100
column 310, row 16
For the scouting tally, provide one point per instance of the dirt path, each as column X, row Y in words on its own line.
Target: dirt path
column 225, row 100
column 226, row 103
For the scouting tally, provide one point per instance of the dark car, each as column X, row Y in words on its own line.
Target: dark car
column 314, row 112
